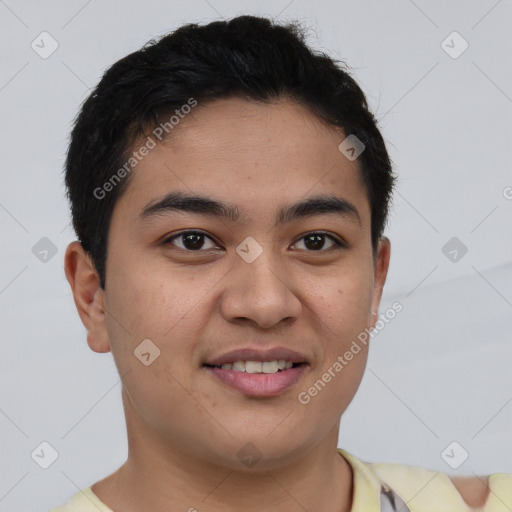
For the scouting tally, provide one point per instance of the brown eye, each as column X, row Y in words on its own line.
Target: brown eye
column 190, row 241
column 316, row 242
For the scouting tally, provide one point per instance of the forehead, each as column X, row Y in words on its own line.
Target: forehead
column 245, row 152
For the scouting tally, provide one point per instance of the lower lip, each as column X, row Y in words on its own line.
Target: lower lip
column 259, row 384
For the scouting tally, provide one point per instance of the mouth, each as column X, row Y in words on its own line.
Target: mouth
column 266, row 367
column 258, row 378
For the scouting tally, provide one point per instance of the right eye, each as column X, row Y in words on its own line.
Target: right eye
column 192, row 240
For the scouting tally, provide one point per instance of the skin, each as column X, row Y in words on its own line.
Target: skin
column 474, row 490
column 184, row 426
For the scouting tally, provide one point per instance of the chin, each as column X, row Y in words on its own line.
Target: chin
column 258, row 454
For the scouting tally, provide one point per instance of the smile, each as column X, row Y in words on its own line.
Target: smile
column 257, row 366
column 258, row 378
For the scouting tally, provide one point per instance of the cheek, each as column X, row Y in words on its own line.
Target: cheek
column 152, row 333
column 150, row 299
column 166, row 308
column 345, row 302
column 343, row 308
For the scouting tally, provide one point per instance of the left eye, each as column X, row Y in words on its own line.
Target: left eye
column 194, row 241
column 316, row 241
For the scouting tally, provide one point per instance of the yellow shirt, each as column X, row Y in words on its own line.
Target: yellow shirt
column 421, row 489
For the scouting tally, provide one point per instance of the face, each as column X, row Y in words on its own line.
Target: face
column 199, row 285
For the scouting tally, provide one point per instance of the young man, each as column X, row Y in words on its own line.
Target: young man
column 230, row 189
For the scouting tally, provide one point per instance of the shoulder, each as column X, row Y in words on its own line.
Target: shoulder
column 422, row 487
column 83, row 501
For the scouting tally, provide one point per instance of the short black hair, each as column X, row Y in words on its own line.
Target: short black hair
column 247, row 56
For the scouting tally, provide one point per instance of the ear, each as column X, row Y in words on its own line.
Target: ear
column 88, row 295
column 381, row 266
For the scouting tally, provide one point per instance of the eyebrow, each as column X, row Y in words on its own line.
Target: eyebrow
column 317, row 205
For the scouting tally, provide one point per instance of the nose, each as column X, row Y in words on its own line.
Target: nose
column 260, row 293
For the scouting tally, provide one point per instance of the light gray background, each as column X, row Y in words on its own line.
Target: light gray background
column 439, row 372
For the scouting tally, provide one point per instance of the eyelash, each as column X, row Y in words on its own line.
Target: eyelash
column 338, row 243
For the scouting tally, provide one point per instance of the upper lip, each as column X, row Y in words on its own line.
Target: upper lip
column 252, row 354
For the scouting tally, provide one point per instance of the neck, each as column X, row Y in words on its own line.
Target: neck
column 160, row 476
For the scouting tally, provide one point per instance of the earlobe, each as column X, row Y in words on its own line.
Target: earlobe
column 89, row 297
column 380, row 274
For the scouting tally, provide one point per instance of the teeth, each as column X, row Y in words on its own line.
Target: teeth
column 270, row 367
column 253, row 367
column 258, row 366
